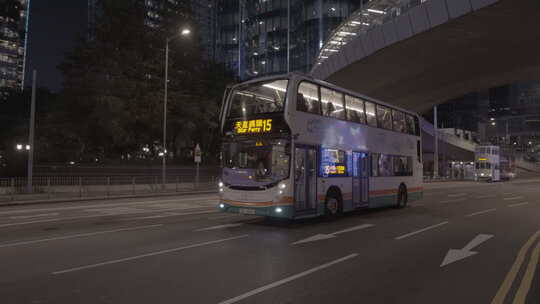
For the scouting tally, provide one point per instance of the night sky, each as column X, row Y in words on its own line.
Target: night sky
column 55, row 27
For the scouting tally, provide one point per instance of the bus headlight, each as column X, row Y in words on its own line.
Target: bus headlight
column 221, row 206
column 220, row 184
column 481, row 174
column 279, row 210
column 282, row 186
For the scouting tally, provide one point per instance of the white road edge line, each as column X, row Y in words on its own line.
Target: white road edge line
column 453, row 200
column 513, row 198
column 420, row 231
column 481, row 212
column 518, row 204
column 287, row 280
column 13, row 244
column 148, row 255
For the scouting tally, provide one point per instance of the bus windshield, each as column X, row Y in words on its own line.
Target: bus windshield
column 255, row 163
column 258, row 98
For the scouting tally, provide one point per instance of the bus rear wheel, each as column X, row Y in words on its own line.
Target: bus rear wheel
column 332, row 206
column 402, row 197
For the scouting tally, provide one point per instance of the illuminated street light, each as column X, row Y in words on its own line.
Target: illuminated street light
column 19, row 147
column 27, row 147
column 184, row 32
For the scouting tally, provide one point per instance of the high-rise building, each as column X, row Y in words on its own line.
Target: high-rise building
column 262, row 37
column 204, row 12
column 13, row 37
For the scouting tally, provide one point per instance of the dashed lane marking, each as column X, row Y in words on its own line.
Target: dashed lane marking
column 21, row 217
column 513, row 198
column 453, row 200
column 287, row 280
column 518, row 205
column 73, row 236
column 148, row 255
column 420, row 231
column 481, row 212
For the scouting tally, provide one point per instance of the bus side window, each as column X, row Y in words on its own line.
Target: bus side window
column 399, row 121
column 384, row 117
column 355, row 109
column 308, row 98
column 409, row 124
column 375, row 164
column 332, row 103
column 370, row 114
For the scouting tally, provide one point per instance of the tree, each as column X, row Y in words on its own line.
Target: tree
column 113, row 90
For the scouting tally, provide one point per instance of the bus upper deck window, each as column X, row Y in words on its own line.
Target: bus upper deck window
column 332, row 103
column 371, row 117
column 308, row 98
column 384, row 117
column 355, row 109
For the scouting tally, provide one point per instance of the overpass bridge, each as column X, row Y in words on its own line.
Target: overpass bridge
column 419, row 53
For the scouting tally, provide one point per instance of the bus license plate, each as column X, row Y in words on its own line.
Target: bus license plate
column 246, row 211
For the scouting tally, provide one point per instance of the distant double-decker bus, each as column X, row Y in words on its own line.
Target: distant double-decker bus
column 296, row 147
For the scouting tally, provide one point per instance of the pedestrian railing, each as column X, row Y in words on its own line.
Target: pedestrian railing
column 55, row 187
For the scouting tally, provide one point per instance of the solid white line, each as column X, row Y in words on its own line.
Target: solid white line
column 420, row 231
column 508, row 193
column 457, row 195
column 287, row 280
column 97, row 216
column 519, row 204
column 480, row 212
column 453, row 200
column 20, row 217
column 76, row 236
column 148, row 255
column 513, row 198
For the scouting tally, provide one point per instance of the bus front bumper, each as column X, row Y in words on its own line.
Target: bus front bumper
column 280, row 211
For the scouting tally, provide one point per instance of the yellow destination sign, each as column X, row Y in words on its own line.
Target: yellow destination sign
column 254, row 126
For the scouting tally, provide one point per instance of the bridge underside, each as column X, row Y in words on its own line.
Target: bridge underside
column 497, row 45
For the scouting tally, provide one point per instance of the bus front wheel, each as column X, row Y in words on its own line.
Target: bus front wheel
column 402, row 197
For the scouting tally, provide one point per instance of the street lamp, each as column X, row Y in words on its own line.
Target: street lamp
column 184, row 32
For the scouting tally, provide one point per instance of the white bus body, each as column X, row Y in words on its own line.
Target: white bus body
column 487, row 158
column 295, row 164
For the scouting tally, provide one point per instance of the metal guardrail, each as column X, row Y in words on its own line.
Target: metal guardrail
column 64, row 187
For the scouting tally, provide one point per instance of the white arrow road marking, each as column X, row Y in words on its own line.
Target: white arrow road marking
column 455, row 255
column 320, row 237
column 220, row 227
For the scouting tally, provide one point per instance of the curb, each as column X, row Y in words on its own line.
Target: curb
column 100, row 198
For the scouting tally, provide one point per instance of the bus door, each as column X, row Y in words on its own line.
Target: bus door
column 305, row 179
column 360, row 181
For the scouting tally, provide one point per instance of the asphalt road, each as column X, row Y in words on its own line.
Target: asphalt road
column 464, row 243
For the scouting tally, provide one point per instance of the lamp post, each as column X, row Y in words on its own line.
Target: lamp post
column 183, row 32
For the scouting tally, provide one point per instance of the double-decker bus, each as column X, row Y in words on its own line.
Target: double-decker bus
column 296, row 147
column 487, row 158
